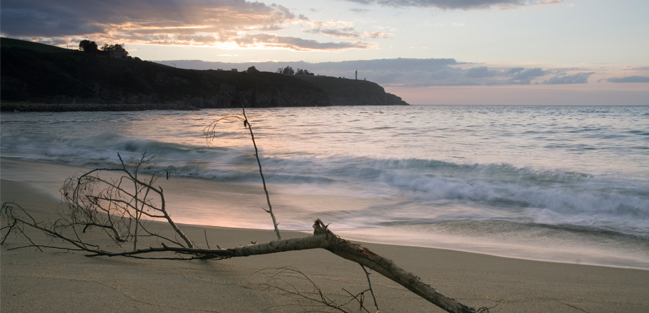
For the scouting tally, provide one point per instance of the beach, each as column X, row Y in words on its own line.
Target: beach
column 64, row 281
column 473, row 156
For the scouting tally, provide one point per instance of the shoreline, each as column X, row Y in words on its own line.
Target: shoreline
column 240, row 284
column 27, row 107
column 186, row 200
column 23, row 107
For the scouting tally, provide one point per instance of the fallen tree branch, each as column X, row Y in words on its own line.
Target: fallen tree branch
column 322, row 238
column 325, row 239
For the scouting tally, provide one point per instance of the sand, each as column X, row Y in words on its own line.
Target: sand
column 64, row 281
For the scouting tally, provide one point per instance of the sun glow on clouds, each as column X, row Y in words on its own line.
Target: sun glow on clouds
column 280, row 42
column 218, row 23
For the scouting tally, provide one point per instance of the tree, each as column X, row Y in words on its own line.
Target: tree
column 88, row 46
column 303, row 72
column 252, row 70
column 115, row 51
column 286, row 71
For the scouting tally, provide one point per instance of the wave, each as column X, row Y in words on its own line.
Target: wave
column 433, row 190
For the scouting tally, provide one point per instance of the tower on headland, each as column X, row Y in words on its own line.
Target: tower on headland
column 356, row 75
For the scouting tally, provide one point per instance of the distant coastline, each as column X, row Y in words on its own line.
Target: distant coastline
column 37, row 77
column 72, row 107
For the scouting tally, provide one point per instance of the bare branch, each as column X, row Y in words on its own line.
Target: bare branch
column 206, row 241
column 356, row 297
column 263, row 180
column 210, row 133
column 369, row 283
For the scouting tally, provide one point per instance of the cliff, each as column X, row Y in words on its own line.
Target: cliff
column 40, row 77
column 341, row 91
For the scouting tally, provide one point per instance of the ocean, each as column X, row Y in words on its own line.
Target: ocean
column 552, row 183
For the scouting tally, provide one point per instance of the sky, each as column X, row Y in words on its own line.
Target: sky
column 530, row 52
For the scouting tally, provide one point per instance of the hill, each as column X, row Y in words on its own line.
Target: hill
column 41, row 77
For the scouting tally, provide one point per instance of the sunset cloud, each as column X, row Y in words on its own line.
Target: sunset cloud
column 294, row 43
column 82, row 17
column 334, row 29
column 172, row 22
column 342, row 29
column 377, row 35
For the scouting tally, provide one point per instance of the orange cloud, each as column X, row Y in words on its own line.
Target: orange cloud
column 172, row 22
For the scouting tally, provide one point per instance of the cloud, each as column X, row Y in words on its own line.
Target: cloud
column 377, row 35
column 579, row 78
column 400, row 64
column 335, row 29
column 294, row 43
column 480, row 72
column 18, row 19
column 335, row 33
column 522, row 76
column 457, row 4
column 169, row 22
column 82, row 17
column 629, row 79
column 342, row 29
column 403, row 72
column 520, row 73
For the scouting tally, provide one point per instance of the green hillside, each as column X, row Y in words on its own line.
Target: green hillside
column 37, row 76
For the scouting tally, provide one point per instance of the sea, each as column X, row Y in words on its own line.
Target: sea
column 563, row 184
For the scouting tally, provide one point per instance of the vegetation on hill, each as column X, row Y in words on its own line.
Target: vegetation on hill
column 35, row 74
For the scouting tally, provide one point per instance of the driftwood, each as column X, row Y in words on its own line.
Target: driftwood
column 322, row 238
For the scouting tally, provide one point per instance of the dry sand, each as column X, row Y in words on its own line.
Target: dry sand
column 63, row 281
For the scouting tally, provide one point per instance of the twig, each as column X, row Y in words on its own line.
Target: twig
column 355, row 297
column 210, row 133
column 206, row 242
column 277, row 282
column 263, row 180
column 369, row 283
